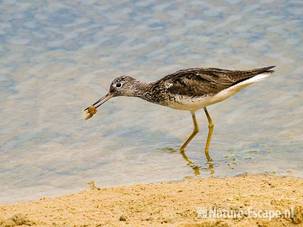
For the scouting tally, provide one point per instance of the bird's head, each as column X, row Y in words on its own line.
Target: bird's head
column 123, row 86
column 120, row 86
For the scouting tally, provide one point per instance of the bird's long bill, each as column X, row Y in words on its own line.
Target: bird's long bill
column 102, row 100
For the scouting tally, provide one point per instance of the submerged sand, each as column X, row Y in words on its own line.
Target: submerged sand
column 175, row 203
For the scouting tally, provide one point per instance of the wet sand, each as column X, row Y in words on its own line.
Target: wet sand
column 174, row 203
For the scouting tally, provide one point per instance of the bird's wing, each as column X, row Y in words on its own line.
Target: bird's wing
column 206, row 81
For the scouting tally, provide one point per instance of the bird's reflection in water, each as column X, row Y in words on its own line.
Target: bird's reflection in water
column 196, row 168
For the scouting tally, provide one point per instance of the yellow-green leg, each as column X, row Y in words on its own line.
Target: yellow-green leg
column 210, row 133
column 192, row 135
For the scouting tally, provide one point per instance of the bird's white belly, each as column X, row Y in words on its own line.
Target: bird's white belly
column 182, row 102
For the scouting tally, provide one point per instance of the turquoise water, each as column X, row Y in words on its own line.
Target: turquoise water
column 57, row 57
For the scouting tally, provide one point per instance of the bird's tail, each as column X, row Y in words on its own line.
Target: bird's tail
column 268, row 69
column 257, row 75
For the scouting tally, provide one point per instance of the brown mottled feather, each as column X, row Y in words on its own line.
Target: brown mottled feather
column 205, row 81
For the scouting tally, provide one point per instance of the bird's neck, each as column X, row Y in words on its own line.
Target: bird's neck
column 142, row 90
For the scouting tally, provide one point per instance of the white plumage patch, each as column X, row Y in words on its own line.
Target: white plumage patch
column 192, row 104
column 168, row 85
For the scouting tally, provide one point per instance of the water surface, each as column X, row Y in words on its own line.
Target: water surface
column 56, row 57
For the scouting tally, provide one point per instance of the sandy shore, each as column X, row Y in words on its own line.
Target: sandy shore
column 176, row 203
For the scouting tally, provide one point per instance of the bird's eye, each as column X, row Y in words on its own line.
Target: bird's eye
column 118, row 84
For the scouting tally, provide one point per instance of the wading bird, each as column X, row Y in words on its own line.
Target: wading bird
column 188, row 89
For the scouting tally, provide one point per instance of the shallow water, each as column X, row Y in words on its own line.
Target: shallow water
column 57, row 57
